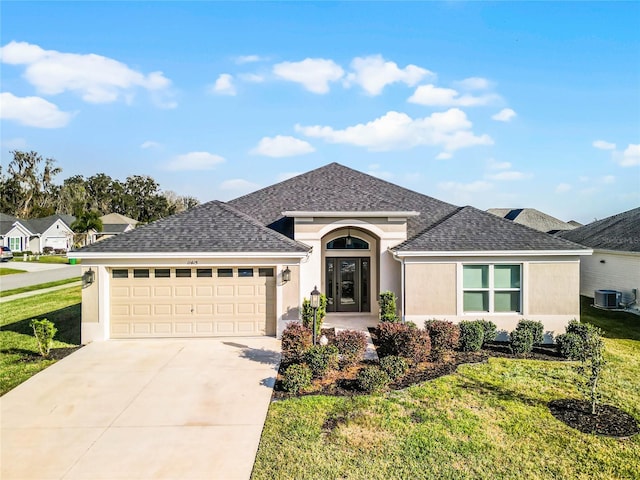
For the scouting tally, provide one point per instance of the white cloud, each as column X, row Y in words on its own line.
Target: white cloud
column 464, row 192
column 507, row 176
column 608, row 179
column 603, row 145
column 563, row 187
column 314, row 74
column 242, row 59
column 630, row 157
column 194, row 161
column 433, row 96
column 32, row 111
column 398, row 131
column 238, row 186
column 373, row 73
column 375, row 170
column 149, row 144
column 474, row 83
column 251, row 77
column 504, row 115
column 95, row 78
column 224, row 85
column 282, row 146
column 492, row 164
column 444, row 156
column 15, row 143
column 281, row 177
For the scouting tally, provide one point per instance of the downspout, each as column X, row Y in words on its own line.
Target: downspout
column 402, row 274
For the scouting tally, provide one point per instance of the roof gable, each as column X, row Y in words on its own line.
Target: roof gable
column 41, row 225
column 618, row 232
column 469, row 229
column 335, row 187
column 212, row 227
column 117, row 219
column 532, row 218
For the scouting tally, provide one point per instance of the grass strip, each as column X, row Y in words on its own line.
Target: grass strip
column 10, row 271
column 40, row 286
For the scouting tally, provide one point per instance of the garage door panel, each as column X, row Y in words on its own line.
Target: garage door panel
column 191, row 306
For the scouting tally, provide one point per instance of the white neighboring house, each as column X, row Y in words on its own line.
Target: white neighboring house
column 114, row 224
column 36, row 234
column 615, row 263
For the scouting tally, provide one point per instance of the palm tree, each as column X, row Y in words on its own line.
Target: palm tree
column 86, row 222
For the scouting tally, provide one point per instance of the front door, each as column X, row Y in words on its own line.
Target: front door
column 347, row 284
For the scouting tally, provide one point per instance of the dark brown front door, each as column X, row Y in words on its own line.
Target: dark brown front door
column 347, row 284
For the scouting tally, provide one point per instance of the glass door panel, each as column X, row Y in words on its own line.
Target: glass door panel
column 347, row 293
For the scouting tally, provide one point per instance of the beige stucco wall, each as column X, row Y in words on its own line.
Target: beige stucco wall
column 553, row 289
column 430, row 287
column 90, row 295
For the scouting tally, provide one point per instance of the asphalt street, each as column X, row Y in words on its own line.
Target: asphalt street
column 37, row 274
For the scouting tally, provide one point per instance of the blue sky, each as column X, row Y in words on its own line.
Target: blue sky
column 485, row 104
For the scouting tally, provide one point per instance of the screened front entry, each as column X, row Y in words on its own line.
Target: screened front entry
column 347, row 284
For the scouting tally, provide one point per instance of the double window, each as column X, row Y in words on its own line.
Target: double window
column 492, row 288
column 14, row 244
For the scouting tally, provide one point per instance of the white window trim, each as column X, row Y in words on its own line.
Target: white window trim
column 491, row 289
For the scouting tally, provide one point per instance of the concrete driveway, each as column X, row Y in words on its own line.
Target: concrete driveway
column 139, row 409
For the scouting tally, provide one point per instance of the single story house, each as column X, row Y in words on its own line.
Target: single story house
column 244, row 267
column 112, row 224
column 615, row 263
column 35, row 234
column 535, row 219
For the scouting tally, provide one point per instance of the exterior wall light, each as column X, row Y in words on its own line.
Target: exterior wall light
column 88, row 278
column 315, row 303
column 286, row 275
column 348, row 241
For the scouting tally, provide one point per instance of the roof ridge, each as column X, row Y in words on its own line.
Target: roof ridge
column 432, row 226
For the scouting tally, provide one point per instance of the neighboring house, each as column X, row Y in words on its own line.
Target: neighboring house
column 534, row 219
column 114, row 224
column 34, row 235
column 244, row 267
column 615, row 264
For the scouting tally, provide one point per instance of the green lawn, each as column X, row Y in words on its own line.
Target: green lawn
column 40, row 286
column 19, row 358
column 486, row 421
column 9, row 271
column 45, row 259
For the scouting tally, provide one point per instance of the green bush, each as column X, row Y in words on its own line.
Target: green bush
column 522, row 340
column 296, row 340
column 296, row 377
column 403, row 340
column 489, row 331
column 388, row 309
column 351, row 345
column 321, row 359
column 569, row 345
column 372, row 379
column 471, row 336
column 396, row 367
column 444, row 336
column 307, row 314
column 44, row 331
column 536, row 328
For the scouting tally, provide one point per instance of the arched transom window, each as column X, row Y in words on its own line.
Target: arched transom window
column 347, row 243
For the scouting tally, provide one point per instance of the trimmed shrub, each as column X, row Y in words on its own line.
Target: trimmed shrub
column 321, row 359
column 580, row 329
column 372, row 379
column 387, row 337
column 403, row 340
column 444, row 336
column 44, row 331
column 296, row 377
column 522, row 340
column 296, row 340
column 471, row 336
column 388, row 309
column 489, row 331
column 536, row 328
column 307, row 314
column 351, row 345
column 570, row 345
column 396, row 367
column 47, row 250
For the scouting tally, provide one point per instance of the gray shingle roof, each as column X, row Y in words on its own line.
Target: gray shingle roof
column 618, row 232
column 210, row 227
column 40, row 225
column 532, row 218
column 335, row 187
column 470, row 229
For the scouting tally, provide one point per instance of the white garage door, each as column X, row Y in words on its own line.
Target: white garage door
column 192, row 302
column 59, row 243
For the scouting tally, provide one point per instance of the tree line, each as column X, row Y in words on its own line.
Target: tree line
column 28, row 190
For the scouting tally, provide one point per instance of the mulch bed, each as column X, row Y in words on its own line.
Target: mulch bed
column 608, row 421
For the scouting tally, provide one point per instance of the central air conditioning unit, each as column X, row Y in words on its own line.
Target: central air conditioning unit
column 607, row 298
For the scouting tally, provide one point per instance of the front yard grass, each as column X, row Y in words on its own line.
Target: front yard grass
column 19, row 358
column 485, row 421
column 10, row 271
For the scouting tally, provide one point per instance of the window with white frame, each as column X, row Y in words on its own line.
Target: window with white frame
column 491, row 288
column 14, row 244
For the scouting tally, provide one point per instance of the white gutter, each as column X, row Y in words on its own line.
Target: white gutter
column 491, row 253
column 165, row 255
column 345, row 213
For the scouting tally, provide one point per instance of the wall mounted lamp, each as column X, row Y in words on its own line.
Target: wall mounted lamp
column 88, row 278
column 286, row 275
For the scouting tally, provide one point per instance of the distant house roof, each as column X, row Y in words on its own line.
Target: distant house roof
column 619, row 232
column 117, row 219
column 470, row 229
column 533, row 218
column 335, row 187
column 6, row 223
column 34, row 225
column 114, row 228
column 211, row 227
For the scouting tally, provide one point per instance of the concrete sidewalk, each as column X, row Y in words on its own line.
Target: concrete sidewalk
column 124, row 409
column 39, row 273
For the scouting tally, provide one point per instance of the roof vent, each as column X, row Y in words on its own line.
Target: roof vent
column 607, row 298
